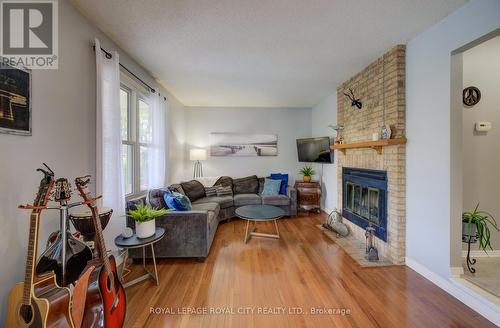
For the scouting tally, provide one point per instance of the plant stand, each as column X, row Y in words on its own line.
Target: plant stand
column 470, row 261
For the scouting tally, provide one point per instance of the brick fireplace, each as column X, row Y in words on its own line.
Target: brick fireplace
column 383, row 81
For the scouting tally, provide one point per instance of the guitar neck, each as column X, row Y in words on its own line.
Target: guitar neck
column 31, row 257
column 100, row 237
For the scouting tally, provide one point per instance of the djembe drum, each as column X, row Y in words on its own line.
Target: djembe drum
column 82, row 221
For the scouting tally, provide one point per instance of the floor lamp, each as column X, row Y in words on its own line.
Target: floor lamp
column 197, row 155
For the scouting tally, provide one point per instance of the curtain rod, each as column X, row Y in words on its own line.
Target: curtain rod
column 109, row 56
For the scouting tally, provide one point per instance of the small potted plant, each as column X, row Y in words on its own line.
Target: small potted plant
column 477, row 225
column 307, row 172
column 144, row 217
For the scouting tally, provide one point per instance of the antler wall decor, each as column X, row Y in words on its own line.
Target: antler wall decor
column 354, row 102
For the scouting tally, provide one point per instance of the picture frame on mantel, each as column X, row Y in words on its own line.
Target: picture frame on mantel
column 15, row 100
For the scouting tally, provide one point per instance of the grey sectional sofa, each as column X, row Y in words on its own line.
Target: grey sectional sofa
column 190, row 233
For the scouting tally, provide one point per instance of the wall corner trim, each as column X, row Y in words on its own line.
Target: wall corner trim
column 463, row 291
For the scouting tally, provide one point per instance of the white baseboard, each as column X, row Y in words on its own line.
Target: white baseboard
column 478, row 253
column 471, row 296
column 457, row 272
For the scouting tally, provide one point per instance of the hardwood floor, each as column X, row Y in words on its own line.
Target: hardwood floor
column 302, row 270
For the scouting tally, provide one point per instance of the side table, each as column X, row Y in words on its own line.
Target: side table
column 134, row 242
column 308, row 195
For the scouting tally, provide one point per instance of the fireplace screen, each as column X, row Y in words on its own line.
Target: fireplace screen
column 365, row 198
column 363, row 201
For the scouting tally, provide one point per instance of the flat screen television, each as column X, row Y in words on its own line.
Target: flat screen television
column 315, row 150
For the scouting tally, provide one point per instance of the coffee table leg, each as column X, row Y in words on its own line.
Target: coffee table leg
column 246, row 232
column 276, row 225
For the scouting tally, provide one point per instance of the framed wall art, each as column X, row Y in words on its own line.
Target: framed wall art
column 240, row 144
column 15, row 99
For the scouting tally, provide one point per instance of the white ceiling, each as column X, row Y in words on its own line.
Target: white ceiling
column 259, row 53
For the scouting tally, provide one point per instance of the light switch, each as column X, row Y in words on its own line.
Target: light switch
column 483, row 126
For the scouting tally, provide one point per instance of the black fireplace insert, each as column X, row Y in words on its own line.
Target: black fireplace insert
column 364, row 199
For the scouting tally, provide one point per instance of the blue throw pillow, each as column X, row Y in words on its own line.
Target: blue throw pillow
column 271, row 187
column 177, row 201
column 284, row 181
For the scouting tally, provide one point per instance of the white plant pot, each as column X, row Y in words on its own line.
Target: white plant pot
column 145, row 229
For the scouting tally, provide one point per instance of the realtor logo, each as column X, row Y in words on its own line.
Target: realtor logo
column 29, row 35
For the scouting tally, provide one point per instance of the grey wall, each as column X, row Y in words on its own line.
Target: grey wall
column 288, row 123
column 430, row 146
column 63, row 103
column 481, row 179
column 324, row 114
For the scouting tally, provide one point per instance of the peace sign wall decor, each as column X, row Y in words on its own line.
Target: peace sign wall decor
column 471, row 96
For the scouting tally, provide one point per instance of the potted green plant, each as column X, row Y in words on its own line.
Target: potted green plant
column 477, row 225
column 307, row 172
column 144, row 217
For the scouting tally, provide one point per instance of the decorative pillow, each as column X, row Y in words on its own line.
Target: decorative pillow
column 211, row 191
column 177, row 201
column 193, row 189
column 176, row 188
column 271, row 187
column 247, row 185
column 224, row 191
column 224, row 181
column 284, row 181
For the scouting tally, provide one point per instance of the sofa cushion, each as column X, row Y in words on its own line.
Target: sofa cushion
column 224, row 202
column 279, row 200
column 247, row 199
column 247, row 185
column 193, row 189
column 224, row 181
column 212, row 207
column 156, row 199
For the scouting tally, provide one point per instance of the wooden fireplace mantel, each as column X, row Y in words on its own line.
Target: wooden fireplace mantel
column 377, row 145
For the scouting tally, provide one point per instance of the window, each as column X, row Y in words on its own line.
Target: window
column 136, row 132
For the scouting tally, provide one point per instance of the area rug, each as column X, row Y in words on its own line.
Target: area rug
column 355, row 248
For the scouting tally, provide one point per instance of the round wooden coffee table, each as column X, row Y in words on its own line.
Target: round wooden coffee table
column 260, row 213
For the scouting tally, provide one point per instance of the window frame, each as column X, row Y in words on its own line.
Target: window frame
column 135, row 94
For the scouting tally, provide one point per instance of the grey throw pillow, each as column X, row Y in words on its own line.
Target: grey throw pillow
column 193, row 189
column 224, row 191
column 247, row 185
column 211, row 191
column 224, row 181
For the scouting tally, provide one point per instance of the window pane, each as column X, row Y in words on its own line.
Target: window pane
column 127, row 169
column 124, row 106
column 144, row 122
column 144, row 168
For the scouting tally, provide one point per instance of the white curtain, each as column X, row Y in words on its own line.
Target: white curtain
column 156, row 153
column 109, row 182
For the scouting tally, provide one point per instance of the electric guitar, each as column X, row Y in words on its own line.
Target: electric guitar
column 38, row 302
column 105, row 293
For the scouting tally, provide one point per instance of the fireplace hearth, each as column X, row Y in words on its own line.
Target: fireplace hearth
column 364, row 199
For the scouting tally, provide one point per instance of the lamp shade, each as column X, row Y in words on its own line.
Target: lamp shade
column 198, row 154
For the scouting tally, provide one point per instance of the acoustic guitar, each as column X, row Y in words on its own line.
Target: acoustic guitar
column 105, row 293
column 38, row 302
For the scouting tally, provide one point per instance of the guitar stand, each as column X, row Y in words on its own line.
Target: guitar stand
column 63, row 223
